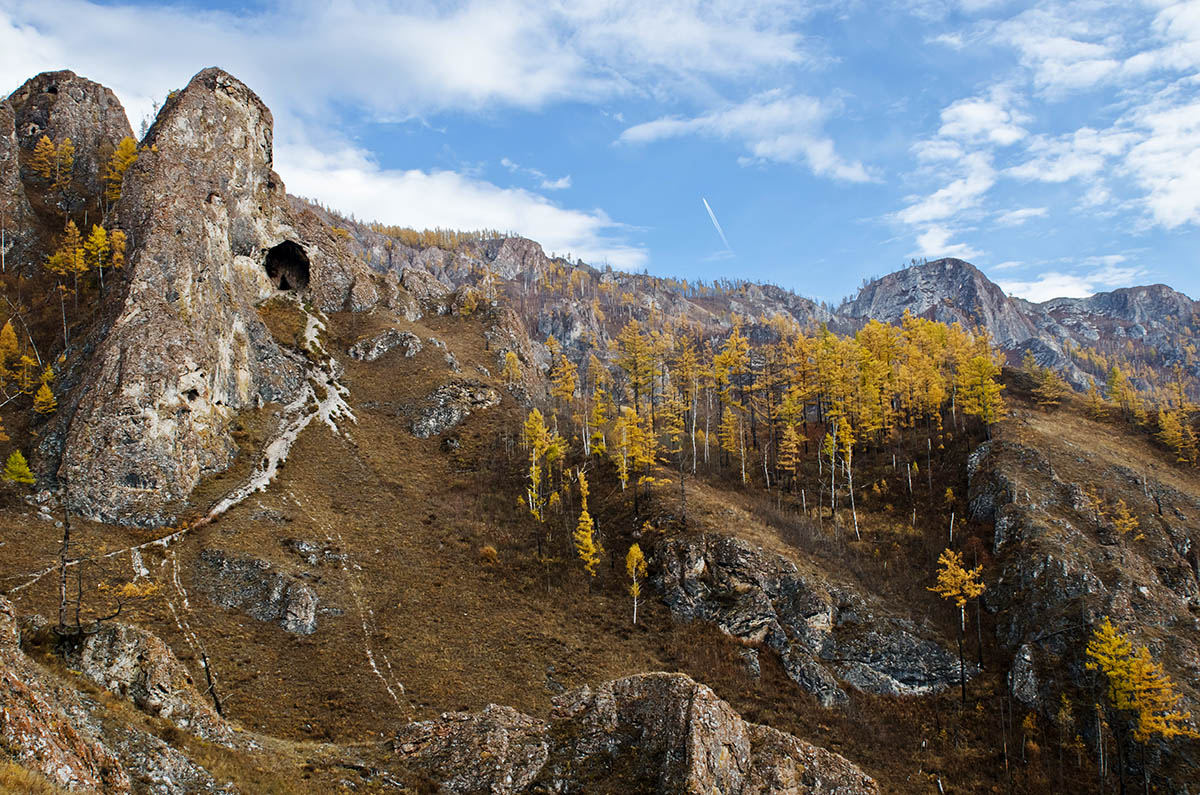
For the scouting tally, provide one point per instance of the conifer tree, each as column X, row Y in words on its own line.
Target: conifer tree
column 116, row 244
column 635, row 567
column 124, row 156
column 44, row 157
column 511, row 372
column 64, row 163
column 43, row 401
column 16, row 469
column 1124, row 521
column 1170, row 433
column 95, row 251
column 585, row 545
column 960, row 585
column 9, row 349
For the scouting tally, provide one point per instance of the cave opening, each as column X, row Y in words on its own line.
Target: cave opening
column 287, row 266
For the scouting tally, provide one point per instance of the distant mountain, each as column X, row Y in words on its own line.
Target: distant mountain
column 1161, row 322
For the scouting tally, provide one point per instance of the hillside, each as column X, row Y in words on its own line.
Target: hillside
column 307, row 504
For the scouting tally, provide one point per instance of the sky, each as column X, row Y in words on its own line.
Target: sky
column 813, row 145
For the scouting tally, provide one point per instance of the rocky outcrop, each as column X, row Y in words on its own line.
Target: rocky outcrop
column 824, row 634
column 37, row 725
column 258, row 588
column 653, row 732
column 450, row 404
column 184, row 351
column 497, row 750
column 61, row 105
column 135, row 664
column 1062, row 566
column 16, row 215
column 375, row 347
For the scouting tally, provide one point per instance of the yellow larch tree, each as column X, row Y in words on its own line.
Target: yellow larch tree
column 960, row 585
column 123, row 157
column 584, row 536
column 635, row 567
column 44, row 157
column 16, row 469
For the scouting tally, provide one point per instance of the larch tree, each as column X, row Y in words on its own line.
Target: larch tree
column 64, row 164
column 635, row 568
column 510, row 373
column 16, row 469
column 45, row 156
column 1170, row 433
column 123, row 157
column 584, row 536
column 43, row 401
column 960, row 585
column 1141, row 699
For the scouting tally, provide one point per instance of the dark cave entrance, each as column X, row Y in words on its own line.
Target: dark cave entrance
column 287, row 266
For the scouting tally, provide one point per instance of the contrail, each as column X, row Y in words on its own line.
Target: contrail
column 716, row 223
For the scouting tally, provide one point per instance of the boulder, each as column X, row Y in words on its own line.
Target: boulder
column 371, row 348
column 655, row 732
column 450, row 404
column 259, row 589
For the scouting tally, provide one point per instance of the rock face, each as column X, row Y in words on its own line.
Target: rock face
column 36, row 726
column 212, row 234
column 137, row 665
column 649, row 733
column 1063, row 566
column 450, row 404
column 373, row 348
column 259, row 589
column 822, row 633
column 61, row 105
column 948, row 290
column 16, row 214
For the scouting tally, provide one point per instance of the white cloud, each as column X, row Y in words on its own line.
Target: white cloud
column 404, row 61
column 1020, row 216
column 1007, row 265
column 1166, row 163
column 934, row 242
column 1067, row 49
column 1055, row 284
column 562, row 183
column 1083, row 153
column 772, row 126
column 986, row 119
column 349, row 180
column 962, row 194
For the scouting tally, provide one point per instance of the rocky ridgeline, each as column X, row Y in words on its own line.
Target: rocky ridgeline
column 951, row 290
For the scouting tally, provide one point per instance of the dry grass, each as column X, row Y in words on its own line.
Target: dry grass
column 440, row 584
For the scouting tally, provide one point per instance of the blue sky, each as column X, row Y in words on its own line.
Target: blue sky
column 1054, row 145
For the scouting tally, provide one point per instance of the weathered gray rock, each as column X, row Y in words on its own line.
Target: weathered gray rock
column 496, row 750
column 372, row 348
column 258, row 588
column 450, row 404
column 181, row 350
column 654, row 732
column 61, row 105
column 137, row 665
column 38, row 726
column 822, row 633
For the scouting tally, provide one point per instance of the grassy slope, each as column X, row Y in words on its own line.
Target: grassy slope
column 457, row 633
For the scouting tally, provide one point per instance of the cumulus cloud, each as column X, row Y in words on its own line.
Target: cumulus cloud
column 351, row 181
column 987, row 119
column 962, row 194
column 773, row 126
column 934, row 242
